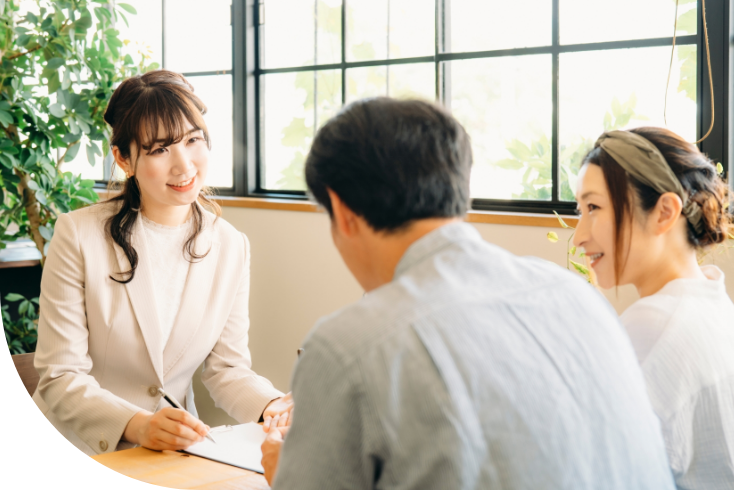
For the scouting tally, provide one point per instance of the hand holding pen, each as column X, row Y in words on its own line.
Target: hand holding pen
column 175, row 404
column 168, row 429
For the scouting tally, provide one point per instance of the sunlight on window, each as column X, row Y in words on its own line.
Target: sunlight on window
column 594, row 21
column 216, row 93
column 290, row 120
column 620, row 89
column 505, row 104
column 485, row 26
column 198, row 35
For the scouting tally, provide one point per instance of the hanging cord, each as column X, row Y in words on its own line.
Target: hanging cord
column 708, row 59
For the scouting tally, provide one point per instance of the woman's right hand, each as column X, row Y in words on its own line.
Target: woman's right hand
column 168, row 428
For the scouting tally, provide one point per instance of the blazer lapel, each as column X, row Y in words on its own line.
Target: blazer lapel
column 141, row 292
column 195, row 296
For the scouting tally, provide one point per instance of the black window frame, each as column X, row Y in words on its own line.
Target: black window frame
column 247, row 72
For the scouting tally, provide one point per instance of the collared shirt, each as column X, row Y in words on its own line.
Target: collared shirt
column 472, row 369
column 684, row 339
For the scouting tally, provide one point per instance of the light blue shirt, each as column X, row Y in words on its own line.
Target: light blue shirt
column 472, row 369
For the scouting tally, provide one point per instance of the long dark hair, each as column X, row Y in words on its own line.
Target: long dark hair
column 139, row 108
column 697, row 175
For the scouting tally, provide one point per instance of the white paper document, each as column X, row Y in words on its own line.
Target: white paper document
column 237, row 445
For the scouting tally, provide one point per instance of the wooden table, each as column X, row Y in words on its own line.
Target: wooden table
column 178, row 470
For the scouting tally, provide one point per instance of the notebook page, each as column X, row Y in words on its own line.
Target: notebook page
column 237, row 445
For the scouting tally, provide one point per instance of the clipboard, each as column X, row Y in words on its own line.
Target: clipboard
column 237, row 445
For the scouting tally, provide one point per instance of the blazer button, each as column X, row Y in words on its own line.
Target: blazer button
column 153, row 391
column 103, row 445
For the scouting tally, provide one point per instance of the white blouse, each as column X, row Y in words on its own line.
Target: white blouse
column 170, row 268
column 683, row 336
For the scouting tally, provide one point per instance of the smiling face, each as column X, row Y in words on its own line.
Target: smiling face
column 596, row 234
column 169, row 176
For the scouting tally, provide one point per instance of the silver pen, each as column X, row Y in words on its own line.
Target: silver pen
column 175, row 404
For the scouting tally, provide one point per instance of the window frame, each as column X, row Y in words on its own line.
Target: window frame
column 246, row 74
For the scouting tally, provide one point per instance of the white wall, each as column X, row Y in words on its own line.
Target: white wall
column 298, row 276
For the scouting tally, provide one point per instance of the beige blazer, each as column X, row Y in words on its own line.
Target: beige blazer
column 100, row 351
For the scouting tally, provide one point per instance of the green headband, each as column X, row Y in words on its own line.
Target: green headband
column 642, row 160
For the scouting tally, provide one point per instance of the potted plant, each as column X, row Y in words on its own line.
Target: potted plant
column 61, row 62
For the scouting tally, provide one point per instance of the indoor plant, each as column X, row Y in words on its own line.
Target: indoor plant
column 61, row 61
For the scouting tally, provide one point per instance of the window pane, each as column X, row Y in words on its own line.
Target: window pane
column 301, row 32
column 505, row 106
column 289, row 120
column 486, row 26
column 401, row 81
column 328, row 32
column 370, row 81
column 412, row 81
column 198, row 37
column 389, row 29
column 593, row 21
column 145, row 30
column 619, row 89
column 216, row 93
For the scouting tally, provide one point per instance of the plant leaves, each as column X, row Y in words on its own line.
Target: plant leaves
column 560, row 220
column 57, row 110
column 719, row 168
column 127, row 7
column 55, row 63
column 573, row 251
column 46, row 232
column 580, row 268
column 14, row 297
column 72, row 152
column 6, row 118
column 552, row 236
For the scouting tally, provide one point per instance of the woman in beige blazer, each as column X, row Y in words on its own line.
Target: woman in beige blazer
column 115, row 323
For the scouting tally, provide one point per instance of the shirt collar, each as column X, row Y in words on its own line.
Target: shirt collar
column 434, row 241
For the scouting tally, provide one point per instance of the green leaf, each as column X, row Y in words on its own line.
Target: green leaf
column 41, row 197
column 23, row 307
column 6, row 161
column 509, row 164
column 24, row 40
column 6, row 118
column 573, row 251
column 580, row 268
column 552, row 236
column 87, row 183
column 14, row 297
column 719, row 168
column 127, row 7
column 71, row 154
column 91, row 152
column 57, row 110
column 55, row 63
column 560, row 220
column 45, row 232
column 54, row 83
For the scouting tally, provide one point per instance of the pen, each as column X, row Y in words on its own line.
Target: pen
column 172, row 401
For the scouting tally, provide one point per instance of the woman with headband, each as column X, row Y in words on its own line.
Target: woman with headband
column 648, row 202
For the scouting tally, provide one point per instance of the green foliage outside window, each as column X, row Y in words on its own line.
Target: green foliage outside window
column 532, row 159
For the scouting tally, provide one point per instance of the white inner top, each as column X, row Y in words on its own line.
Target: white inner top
column 170, row 268
column 683, row 336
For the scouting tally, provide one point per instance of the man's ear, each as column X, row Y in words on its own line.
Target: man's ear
column 345, row 220
column 123, row 163
column 667, row 211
